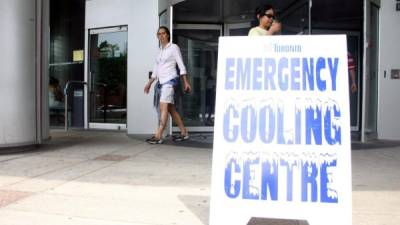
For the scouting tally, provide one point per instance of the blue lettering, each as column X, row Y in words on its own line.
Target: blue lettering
column 248, row 130
column 328, row 194
column 333, row 67
column 295, row 74
column 308, row 74
column 289, row 179
column 257, row 73
column 232, row 187
column 298, row 125
column 321, row 84
column 243, row 74
column 269, row 180
column 280, row 126
column 328, row 125
column 283, row 79
column 250, row 189
column 230, row 131
column 267, row 128
column 309, row 174
column 270, row 70
column 230, row 62
column 313, row 125
column 255, row 176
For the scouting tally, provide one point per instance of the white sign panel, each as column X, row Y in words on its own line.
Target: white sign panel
column 282, row 132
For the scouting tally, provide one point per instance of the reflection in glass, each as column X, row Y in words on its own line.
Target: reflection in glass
column 294, row 18
column 239, row 31
column 108, row 74
column 353, row 49
column 67, row 23
column 56, row 102
column 372, row 82
column 199, row 50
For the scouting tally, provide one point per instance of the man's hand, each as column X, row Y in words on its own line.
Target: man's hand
column 148, row 86
column 186, row 85
column 275, row 28
column 187, row 88
column 353, row 87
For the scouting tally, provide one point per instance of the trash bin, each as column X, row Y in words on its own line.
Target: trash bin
column 77, row 108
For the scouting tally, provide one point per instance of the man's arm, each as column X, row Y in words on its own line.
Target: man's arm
column 353, row 85
column 148, row 85
column 186, row 84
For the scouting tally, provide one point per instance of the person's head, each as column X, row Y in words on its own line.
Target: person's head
column 53, row 81
column 163, row 35
column 265, row 15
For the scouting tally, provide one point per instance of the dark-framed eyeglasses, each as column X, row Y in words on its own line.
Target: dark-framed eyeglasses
column 270, row 16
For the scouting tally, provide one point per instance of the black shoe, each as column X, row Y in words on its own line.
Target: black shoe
column 181, row 137
column 153, row 140
column 148, row 139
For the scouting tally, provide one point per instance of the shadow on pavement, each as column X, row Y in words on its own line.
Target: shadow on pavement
column 198, row 205
column 197, row 140
column 374, row 144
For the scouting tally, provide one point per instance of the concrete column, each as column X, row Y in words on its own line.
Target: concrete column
column 18, row 74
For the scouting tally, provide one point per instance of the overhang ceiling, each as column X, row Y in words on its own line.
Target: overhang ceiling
column 326, row 14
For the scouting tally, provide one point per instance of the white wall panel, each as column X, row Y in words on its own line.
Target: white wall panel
column 389, row 89
column 142, row 20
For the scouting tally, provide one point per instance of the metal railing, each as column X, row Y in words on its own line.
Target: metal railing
column 67, row 85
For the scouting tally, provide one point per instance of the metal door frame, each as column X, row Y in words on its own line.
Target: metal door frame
column 365, row 133
column 88, row 77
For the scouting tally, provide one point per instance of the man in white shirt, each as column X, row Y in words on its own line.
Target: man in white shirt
column 165, row 71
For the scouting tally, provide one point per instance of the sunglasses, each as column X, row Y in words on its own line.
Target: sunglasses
column 270, row 16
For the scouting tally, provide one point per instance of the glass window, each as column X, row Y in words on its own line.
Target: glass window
column 108, row 74
column 67, row 20
column 199, row 50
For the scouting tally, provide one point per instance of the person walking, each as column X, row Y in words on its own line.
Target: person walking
column 165, row 71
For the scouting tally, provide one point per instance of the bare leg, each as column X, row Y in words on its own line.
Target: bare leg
column 177, row 118
column 163, row 119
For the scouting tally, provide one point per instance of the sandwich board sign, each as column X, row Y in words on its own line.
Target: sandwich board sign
column 282, row 150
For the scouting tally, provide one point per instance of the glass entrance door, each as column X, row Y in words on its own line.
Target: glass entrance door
column 370, row 88
column 199, row 47
column 108, row 52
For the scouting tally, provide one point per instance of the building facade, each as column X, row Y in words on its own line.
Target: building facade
column 83, row 64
